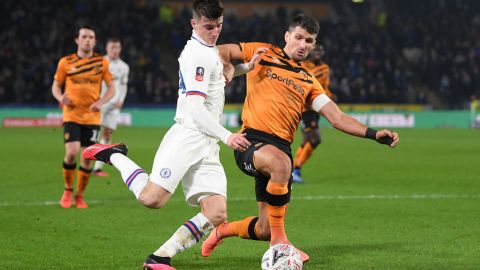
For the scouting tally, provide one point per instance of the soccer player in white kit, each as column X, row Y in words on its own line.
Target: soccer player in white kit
column 189, row 151
column 111, row 109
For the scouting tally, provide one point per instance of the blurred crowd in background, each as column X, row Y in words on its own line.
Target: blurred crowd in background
column 379, row 51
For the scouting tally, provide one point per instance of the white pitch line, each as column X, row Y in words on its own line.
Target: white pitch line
column 390, row 197
column 294, row 198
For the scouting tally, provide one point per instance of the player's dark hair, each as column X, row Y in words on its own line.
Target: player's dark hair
column 210, row 9
column 113, row 39
column 306, row 22
column 84, row 27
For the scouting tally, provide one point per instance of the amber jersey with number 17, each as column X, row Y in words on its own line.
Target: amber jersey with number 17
column 278, row 90
column 82, row 79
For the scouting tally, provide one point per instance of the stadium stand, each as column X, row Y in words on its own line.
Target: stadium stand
column 380, row 52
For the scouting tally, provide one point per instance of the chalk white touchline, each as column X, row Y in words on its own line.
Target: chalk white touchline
column 294, row 198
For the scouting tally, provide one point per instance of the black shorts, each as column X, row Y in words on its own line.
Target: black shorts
column 309, row 120
column 244, row 159
column 86, row 134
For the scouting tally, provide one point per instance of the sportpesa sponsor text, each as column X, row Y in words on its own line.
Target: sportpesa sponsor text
column 288, row 82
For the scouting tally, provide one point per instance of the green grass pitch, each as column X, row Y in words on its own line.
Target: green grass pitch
column 363, row 206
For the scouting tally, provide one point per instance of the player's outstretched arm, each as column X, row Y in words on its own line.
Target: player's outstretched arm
column 230, row 71
column 230, row 52
column 244, row 68
column 350, row 125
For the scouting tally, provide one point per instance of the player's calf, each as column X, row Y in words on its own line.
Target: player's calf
column 153, row 196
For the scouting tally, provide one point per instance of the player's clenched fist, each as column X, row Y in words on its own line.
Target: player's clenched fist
column 387, row 137
column 238, row 142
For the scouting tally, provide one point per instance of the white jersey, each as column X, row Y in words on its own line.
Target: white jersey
column 119, row 70
column 189, row 151
column 201, row 73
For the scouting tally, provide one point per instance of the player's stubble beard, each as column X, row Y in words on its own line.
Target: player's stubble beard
column 87, row 48
column 298, row 57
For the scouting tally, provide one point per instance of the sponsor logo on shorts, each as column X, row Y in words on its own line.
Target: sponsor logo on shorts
column 249, row 168
column 165, row 173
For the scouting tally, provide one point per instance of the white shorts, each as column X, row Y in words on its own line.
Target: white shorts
column 110, row 117
column 192, row 157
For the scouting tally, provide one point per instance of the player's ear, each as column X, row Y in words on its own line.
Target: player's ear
column 287, row 35
column 193, row 23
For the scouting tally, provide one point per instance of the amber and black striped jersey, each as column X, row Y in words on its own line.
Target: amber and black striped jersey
column 322, row 73
column 82, row 81
column 278, row 90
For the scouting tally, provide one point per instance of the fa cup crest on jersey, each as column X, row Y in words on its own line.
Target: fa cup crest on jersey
column 199, row 74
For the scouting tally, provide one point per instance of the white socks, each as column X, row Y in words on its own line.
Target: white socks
column 186, row 236
column 133, row 176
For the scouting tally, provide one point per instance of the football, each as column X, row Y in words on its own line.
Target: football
column 282, row 257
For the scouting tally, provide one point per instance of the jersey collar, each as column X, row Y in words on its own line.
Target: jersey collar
column 299, row 63
column 200, row 40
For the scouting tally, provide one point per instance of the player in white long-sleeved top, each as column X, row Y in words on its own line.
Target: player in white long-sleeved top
column 189, row 151
column 111, row 109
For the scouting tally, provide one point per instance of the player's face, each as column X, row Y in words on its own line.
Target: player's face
column 114, row 49
column 207, row 29
column 86, row 40
column 299, row 43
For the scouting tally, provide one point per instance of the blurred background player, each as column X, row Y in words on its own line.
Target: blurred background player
column 111, row 109
column 80, row 75
column 309, row 124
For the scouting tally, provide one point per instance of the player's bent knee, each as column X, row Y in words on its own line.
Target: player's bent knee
column 218, row 218
column 151, row 201
column 214, row 208
column 70, row 158
column 282, row 172
column 315, row 142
